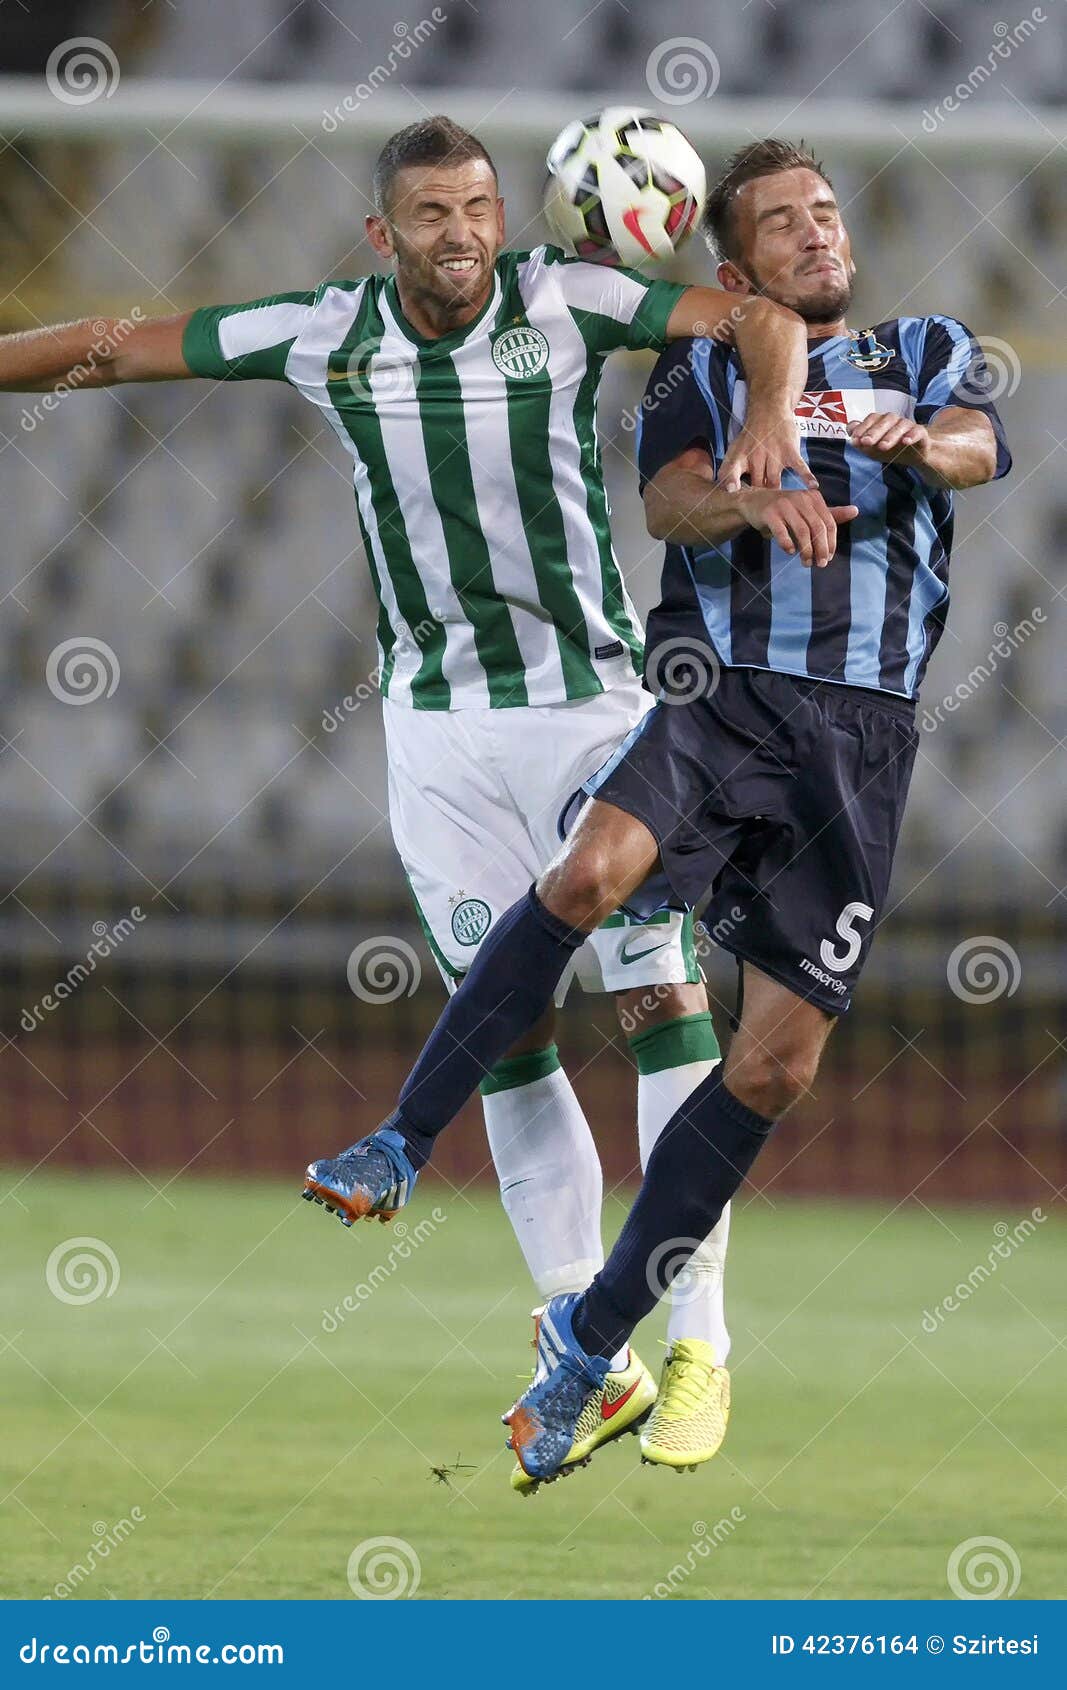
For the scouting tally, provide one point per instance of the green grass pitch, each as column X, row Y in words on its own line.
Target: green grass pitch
column 249, row 1449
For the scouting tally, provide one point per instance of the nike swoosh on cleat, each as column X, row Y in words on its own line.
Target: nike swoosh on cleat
column 606, row 1412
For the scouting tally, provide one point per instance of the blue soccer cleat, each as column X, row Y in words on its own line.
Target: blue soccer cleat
column 548, row 1423
column 372, row 1177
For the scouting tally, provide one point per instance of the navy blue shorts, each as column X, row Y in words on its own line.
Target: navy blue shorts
column 783, row 799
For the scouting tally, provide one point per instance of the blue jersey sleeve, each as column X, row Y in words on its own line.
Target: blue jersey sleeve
column 678, row 409
column 953, row 371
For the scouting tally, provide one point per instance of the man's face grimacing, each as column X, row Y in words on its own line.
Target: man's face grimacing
column 792, row 245
column 443, row 227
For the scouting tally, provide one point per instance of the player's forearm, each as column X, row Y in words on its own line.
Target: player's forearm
column 65, row 354
column 771, row 340
column 96, row 352
column 773, row 346
column 959, row 452
column 687, row 509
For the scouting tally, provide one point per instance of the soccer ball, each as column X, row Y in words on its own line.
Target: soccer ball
column 625, row 187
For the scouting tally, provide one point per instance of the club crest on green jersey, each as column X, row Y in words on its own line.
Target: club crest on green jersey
column 520, row 352
column 470, row 921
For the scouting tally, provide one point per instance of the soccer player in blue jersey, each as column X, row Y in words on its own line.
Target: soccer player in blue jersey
column 774, row 776
column 462, row 387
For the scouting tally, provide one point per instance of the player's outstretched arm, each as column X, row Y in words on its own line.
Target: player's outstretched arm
column 685, row 504
column 772, row 343
column 956, row 449
column 98, row 352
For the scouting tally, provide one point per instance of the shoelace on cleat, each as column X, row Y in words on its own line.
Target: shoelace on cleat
column 570, row 1386
column 354, row 1161
column 687, row 1383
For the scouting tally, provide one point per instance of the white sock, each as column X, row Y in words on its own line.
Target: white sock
column 697, row 1293
column 551, row 1184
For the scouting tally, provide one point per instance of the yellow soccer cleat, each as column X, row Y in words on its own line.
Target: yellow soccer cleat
column 688, row 1423
column 621, row 1404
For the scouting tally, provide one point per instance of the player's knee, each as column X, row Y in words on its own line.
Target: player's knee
column 578, row 888
column 654, row 1006
column 771, row 1079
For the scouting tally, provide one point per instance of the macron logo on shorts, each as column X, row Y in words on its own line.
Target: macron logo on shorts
column 822, row 977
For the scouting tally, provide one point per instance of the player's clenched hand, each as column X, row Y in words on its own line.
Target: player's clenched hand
column 800, row 522
column 889, row 438
column 765, row 446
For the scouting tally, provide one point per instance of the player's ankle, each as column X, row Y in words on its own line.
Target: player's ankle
column 418, row 1145
column 598, row 1326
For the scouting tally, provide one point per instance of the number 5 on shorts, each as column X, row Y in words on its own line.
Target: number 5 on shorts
column 845, row 928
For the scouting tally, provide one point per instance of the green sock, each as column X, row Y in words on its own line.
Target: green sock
column 514, row 1071
column 673, row 1044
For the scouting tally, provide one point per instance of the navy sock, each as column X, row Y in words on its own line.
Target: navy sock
column 699, row 1161
column 510, row 984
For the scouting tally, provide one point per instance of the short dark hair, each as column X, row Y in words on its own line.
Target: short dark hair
column 759, row 158
column 433, row 140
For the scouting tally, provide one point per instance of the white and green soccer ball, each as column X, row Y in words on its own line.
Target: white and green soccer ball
column 624, row 187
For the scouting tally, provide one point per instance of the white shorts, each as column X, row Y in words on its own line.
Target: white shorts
column 475, row 798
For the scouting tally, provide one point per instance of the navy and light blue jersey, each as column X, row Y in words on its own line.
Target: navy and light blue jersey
column 874, row 615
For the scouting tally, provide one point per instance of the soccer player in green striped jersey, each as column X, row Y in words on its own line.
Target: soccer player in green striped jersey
column 462, row 385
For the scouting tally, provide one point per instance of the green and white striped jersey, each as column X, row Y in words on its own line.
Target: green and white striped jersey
column 477, row 471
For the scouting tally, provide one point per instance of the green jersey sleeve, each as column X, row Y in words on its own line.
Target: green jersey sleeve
column 615, row 308
column 246, row 342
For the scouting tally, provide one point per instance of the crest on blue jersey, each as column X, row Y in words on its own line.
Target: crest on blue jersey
column 867, row 351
